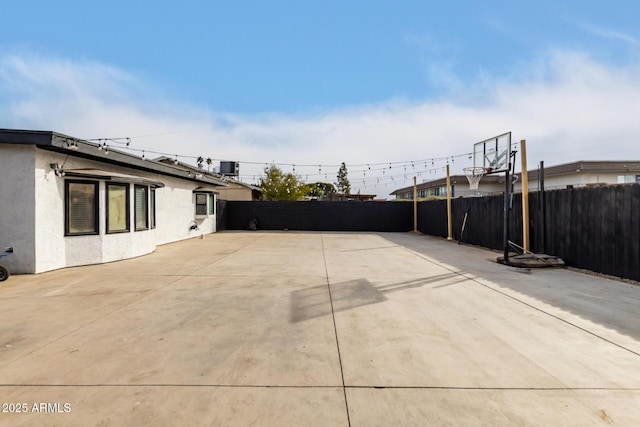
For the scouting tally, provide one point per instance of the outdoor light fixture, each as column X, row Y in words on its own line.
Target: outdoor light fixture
column 73, row 145
column 57, row 169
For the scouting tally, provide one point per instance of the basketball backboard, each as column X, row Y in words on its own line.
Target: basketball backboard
column 493, row 154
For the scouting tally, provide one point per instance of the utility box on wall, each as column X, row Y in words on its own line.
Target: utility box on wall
column 229, row 168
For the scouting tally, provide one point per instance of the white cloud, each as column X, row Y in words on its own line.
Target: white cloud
column 610, row 34
column 567, row 106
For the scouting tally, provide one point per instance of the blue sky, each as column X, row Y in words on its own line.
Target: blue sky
column 325, row 82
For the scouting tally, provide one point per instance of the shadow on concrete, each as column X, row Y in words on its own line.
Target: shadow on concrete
column 417, row 283
column 314, row 302
column 369, row 249
column 610, row 303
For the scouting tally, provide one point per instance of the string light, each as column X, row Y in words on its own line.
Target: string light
column 374, row 169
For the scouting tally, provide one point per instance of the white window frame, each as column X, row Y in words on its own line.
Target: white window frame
column 209, row 205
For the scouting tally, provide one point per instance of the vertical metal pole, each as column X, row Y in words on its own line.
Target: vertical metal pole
column 415, row 205
column 449, row 219
column 525, row 196
column 507, row 199
column 543, row 208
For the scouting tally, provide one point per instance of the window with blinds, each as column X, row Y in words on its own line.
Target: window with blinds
column 152, row 201
column 117, row 208
column 81, row 210
column 141, row 207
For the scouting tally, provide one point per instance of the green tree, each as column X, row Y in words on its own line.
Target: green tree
column 343, row 184
column 320, row 189
column 277, row 185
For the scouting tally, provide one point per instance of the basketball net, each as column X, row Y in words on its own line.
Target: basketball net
column 474, row 175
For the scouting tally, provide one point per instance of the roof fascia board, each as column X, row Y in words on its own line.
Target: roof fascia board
column 71, row 146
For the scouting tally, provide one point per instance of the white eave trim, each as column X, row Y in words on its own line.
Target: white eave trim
column 205, row 190
column 111, row 176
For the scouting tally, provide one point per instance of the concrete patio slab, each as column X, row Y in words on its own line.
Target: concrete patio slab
column 292, row 328
column 475, row 407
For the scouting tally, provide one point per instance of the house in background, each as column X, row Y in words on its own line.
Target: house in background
column 574, row 174
column 238, row 190
column 437, row 188
column 66, row 202
column 583, row 173
column 341, row 197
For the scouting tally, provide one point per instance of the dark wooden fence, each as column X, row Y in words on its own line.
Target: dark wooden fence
column 320, row 216
column 595, row 228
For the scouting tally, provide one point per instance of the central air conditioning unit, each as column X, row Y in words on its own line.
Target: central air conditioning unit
column 229, row 168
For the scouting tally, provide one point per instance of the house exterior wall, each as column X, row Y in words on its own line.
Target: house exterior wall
column 235, row 192
column 578, row 179
column 34, row 220
column 51, row 250
column 176, row 211
column 17, row 206
column 460, row 189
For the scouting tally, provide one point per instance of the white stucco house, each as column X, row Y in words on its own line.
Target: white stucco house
column 66, row 202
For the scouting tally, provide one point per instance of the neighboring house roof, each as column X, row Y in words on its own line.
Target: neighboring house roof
column 358, row 196
column 244, row 184
column 60, row 143
column 186, row 166
column 440, row 182
column 609, row 166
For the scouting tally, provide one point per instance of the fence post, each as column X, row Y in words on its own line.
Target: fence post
column 449, row 221
column 415, row 205
column 525, row 196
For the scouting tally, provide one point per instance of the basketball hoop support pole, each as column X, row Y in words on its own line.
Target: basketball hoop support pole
column 505, row 226
column 525, row 196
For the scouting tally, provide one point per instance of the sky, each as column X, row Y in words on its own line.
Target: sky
column 395, row 89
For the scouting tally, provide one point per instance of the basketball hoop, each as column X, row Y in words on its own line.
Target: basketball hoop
column 474, row 175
